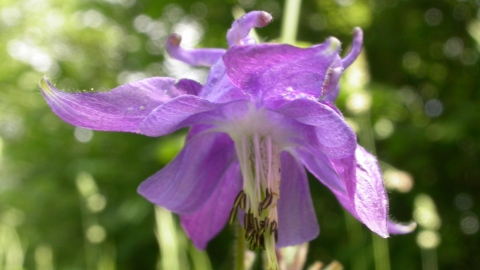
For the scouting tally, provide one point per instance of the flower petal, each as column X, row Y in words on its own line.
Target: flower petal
column 335, row 137
column 209, row 220
column 325, row 171
column 238, row 33
column 356, row 48
column 399, row 228
column 181, row 112
column 121, row 109
column 371, row 201
column 332, row 95
column 320, row 166
column 194, row 57
column 188, row 181
column 219, row 88
column 273, row 70
column 297, row 222
column 357, row 185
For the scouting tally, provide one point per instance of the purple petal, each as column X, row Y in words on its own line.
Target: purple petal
column 297, row 221
column 273, row 70
column 356, row 48
column 219, row 88
column 324, row 170
column 320, row 166
column 194, row 57
column 331, row 85
column 331, row 90
column 346, row 169
column 209, row 220
column 181, row 112
column 332, row 95
column 359, row 188
column 121, row 109
column 335, row 138
column 332, row 106
column 398, row 228
column 366, row 197
column 189, row 180
column 238, row 33
column 371, row 201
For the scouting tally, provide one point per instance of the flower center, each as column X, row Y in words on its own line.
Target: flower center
column 259, row 137
column 260, row 164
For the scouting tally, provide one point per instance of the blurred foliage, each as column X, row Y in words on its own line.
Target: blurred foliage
column 422, row 57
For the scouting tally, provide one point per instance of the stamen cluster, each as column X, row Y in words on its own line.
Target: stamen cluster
column 255, row 229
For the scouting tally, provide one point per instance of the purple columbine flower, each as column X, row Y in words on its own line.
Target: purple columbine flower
column 263, row 115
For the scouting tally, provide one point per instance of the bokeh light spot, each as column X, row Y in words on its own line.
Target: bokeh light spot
column 463, row 201
column 141, row 23
column 247, row 3
column 44, row 257
column 86, row 184
column 433, row 108
column 345, row 3
column 156, row 30
column 31, row 54
column 83, row 135
column 124, row 3
column 383, row 128
column 190, row 30
column 11, row 15
column 173, row 12
column 96, row 234
column 96, row 203
column 93, row 18
column 398, row 180
column 469, row 223
column 425, row 213
column 453, row 47
column 433, row 16
column 358, row 102
column 428, row 239
column 317, row 22
column 411, row 60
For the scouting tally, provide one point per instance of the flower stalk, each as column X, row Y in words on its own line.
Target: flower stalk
column 239, row 249
column 291, row 15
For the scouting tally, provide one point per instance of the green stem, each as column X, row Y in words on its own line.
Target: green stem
column 429, row 259
column 291, row 15
column 380, row 251
column 357, row 240
column 240, row 249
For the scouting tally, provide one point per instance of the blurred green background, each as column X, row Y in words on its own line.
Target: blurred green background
column 68, row 195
